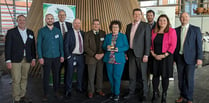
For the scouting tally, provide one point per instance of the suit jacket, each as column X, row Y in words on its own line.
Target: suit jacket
column 68, row 25
column 14, row 46
column 69, row 42
column 121, row 44
column 90, row 46
column 169, row 41
column 142, row 39
column 192, row 45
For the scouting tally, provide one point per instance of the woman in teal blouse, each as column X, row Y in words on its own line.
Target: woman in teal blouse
column 115, row 45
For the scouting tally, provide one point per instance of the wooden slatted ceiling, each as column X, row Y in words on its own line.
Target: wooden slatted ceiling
column 87, row 10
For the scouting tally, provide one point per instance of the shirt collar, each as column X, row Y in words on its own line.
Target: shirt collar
column 21, row 29
column 136, row 22
column 76, row 30
column 61, row 22
column 187, row 26
column 94, row 31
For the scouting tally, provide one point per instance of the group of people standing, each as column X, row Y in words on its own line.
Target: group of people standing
column 64, row 44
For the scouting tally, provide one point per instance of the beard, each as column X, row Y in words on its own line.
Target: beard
column 49, row 24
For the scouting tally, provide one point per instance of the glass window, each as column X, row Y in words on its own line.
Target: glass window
column 9, row 11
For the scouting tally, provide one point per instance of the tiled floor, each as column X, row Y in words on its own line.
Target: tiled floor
column 201, row 91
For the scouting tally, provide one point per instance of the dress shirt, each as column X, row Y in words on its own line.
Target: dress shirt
column 76, row 49
column 65, row 26
column 186, row 27
column 133, row 31
column 24, row 36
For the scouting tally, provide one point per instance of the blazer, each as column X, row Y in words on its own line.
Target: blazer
column 121, row 44
column 192, row 45
column 14, row 46
column 68, row 25
column 90, row 46
column 169, row 41
column 69, row 42
column 142, row 39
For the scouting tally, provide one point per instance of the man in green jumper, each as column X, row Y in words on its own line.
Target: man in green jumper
column 50, row 53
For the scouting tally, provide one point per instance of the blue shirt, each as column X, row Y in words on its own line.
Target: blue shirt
column 50, row 43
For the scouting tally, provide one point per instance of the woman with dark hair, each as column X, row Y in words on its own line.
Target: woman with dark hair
column 115, row 45
column 163, row 45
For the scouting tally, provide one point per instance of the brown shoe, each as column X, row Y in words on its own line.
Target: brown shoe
column 101, row 93
column 15, row 102
column 45, row 99
column 90, row 95
column 180, row 100
column 26, row 99
column 189, row 101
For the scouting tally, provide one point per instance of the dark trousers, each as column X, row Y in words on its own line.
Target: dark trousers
column 185, row 78
column 156, row 77
column 78, row 62
column 136, row 65
column 95, row 70
column 54, row 65
column 62, row 66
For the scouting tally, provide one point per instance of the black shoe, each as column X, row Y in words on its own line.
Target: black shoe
column 154, row 96
column 111, row 96
column 163, row 100
column 25, row 100
column 116, row 98
column 68, row 94
column 143, row 98
column 58, row 95
column 128, row 96
column 79, row 90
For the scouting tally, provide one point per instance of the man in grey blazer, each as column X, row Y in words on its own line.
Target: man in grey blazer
column 139, row 37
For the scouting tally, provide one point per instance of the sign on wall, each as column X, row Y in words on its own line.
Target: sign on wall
column 168, row 10
column 54, row 9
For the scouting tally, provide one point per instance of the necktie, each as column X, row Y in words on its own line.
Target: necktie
column 183, row 33
column 63, row 29
column 80, row 44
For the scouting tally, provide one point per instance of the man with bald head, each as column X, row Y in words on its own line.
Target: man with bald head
column 50, row 53
column 188, row 53
column 73, row 49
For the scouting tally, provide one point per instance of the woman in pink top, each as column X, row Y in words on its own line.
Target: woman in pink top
column 163, row 45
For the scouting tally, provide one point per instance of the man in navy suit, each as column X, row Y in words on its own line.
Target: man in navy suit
column 64, row 28
column 20, row 53
column 62, row 24
column 188, row 53
column 73, row 50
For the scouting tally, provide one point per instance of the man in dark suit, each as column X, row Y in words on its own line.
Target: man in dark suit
column 150, row 15
column 93, row 41
column 64, row 28
column 20, row 53
column 139, row 37
column 188, row 53
column 62, row 24
column 73, row 49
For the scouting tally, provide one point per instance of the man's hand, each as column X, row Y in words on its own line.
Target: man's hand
column 62, row 59
column 41, row 61
column 99, row 56
column 199, row 62
column 145, row 58
column 33, row 63
column 126, row 56
column 9, row 65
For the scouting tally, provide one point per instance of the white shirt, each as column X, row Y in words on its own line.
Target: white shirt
column 65, row 26
column 76, row 49
column 24, row 36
